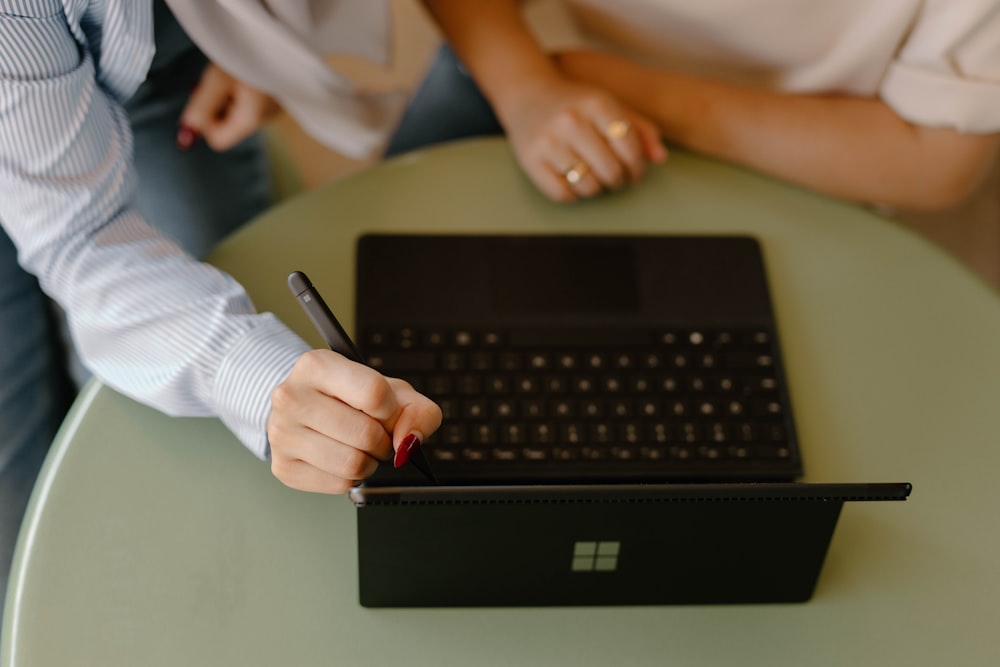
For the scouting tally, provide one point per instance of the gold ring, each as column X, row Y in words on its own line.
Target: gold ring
column 617, row 129
column 575, row 174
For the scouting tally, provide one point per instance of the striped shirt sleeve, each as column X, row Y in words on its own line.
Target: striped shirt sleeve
column 149, row 320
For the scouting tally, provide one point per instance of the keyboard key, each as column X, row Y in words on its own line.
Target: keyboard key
column 398, row 361
column 527, row 384
column 442, row 454
column 492, row 339
column 565, row 453
column 653, row 453
column 505, row 454
column 535, row 453
column 433, row 338
column 539, row 361
column 568, row 362
column 497, row 384
column 601, row 433
column 542, row 434
column 484, row 434
column 592, row 453
column 504, row 409
column 573, row 434
column 454, row 434
column 631, row 433
column 469, row 385
column 624, row 453
column 470, row 454
column 513, row 434
column 555, row 384
column 474, row 409
column 439, row 385
column 534, row 408
column 454, row 361
column 482, row 360
column 509, row 360
column 562, row 409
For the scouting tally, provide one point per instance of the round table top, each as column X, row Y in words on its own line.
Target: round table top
column 160, row 541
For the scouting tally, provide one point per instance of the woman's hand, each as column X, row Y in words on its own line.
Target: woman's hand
column 332, row 420
column 575, row 140
column 223, row 110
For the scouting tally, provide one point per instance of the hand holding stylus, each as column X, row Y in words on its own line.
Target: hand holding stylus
column 333, row 419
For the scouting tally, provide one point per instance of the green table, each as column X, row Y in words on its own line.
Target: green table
column 159, row 541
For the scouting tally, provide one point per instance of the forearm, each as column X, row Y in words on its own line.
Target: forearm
column 496, row 46
column 171, row 332
column 850, row 147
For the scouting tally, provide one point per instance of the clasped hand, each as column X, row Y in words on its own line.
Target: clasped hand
column 574, row 140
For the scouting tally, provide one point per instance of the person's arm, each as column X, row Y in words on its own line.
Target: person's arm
column 150, row 321
column 552, row 123
column 851, row 147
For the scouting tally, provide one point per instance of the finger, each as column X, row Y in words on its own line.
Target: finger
column 354, row 384
column 624, row 140
column 301, row 476
column 580, row 177
column 581, row 135
column 207, row 101
column 296, row 406
column 239, row 120
column 574, row 171
column 550, row 181
column 319, row 450
column 650, row 140
column 186, row 137
column 555, row 185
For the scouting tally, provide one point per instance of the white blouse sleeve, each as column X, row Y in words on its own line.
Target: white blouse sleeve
column 947, row 73
column 150, row 321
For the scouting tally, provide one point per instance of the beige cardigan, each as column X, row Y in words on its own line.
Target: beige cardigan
column 279, row 46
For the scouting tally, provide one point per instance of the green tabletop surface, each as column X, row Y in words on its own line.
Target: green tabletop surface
column 153, row 540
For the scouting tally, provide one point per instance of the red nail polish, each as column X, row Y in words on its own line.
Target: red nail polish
column 186, row 136
column 406, row 447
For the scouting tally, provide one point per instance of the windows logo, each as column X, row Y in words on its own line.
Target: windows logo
column 595, row 556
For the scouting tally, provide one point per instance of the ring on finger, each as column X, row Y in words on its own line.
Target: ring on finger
column 576, row 172
column 617, row 129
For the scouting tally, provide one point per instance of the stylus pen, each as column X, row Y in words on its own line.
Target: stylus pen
column 337, row 339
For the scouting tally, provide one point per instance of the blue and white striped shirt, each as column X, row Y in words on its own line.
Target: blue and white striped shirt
column 148, row 320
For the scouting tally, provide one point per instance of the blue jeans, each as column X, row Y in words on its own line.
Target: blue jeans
column 446, row 107
column 195, row 196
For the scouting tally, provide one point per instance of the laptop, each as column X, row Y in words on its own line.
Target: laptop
column 593, row 387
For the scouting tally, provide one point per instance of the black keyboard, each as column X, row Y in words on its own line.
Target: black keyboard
column 598, row 406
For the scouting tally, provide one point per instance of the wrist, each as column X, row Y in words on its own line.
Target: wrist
column 508, row 94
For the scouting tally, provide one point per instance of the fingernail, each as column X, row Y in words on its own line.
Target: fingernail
column 406, row 447
column 186, row 136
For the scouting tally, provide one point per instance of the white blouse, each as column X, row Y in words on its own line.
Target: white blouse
column 278, row 46
column 935, row 62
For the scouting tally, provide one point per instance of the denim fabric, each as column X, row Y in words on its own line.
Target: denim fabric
column 196, row 197
column 447, row 106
